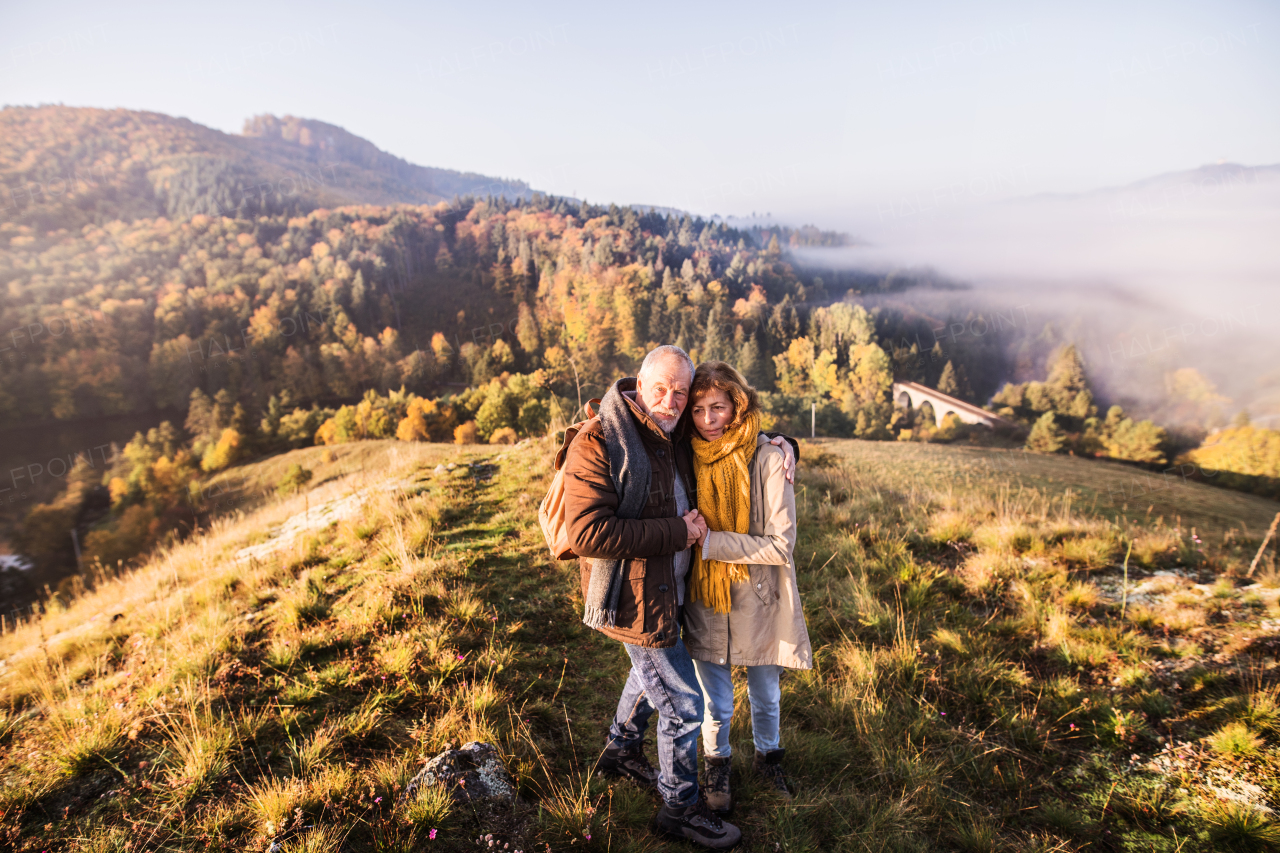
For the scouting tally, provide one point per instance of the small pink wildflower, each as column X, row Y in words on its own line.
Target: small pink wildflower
column 432, row 835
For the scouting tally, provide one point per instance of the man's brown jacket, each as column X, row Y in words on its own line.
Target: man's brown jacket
column 648, row 613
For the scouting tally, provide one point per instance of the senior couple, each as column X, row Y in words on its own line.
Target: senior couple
column 683, row 515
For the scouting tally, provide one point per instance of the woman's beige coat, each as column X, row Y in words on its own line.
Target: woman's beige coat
column 765, row 623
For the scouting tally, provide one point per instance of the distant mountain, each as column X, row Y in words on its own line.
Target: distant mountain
column 1200, row 182
column 66, row 167
column 398, row 179
column 1221, row 173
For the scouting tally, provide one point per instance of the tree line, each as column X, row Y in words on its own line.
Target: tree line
column 478, row 320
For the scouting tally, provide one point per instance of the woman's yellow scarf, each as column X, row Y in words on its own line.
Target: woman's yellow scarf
column 724, row 499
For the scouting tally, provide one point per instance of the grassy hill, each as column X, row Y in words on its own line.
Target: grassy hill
column 984, row 680
column 66, row 167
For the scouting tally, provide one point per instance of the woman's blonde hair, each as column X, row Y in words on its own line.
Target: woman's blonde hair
column 723, row 376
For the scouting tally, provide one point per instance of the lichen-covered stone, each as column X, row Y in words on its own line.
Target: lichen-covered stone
column 474, row 773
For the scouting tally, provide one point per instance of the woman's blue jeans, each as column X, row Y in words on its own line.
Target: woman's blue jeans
column 763, row 690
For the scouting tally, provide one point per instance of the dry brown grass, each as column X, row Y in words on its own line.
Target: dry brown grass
column 974, row 686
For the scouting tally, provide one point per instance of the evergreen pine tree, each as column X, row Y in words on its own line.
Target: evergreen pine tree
column 947, row 382
column 933, row 369
column 527, row 331
column 271, row 419
column 1067, row 386
column 962, row 381
column 224, row 410
column 752, row 364
column 1046, row 436
column 715, row 347
column 358, row 293
column 907, row 364
column 240, row 421
column 668, row 282
column 1024, row 363
column 659, row 321
column 955, row 382
column 784, row 324
column 200, row 423
column 1136, row 441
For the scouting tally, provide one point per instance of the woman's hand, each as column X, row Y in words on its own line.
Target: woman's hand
column 695, row 528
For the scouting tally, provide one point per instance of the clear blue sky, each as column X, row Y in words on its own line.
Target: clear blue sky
column 799, row 109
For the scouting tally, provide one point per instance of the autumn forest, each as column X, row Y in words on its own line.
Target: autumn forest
column 486, row 319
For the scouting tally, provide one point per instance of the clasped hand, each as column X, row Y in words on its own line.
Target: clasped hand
column 695, row 528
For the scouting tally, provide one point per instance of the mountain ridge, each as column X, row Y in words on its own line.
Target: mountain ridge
column 67, row 167
column 1223, row 174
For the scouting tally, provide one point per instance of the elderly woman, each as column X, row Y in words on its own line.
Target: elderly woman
column 742, row 607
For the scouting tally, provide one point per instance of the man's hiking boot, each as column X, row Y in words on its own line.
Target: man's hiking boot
column 769, row 766
column 698, row 824
column 631, row 765
column 716, row 786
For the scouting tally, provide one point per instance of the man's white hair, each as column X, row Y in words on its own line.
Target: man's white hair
column 665, row 351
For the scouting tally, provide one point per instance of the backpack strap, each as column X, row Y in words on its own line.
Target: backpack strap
column 571, row 432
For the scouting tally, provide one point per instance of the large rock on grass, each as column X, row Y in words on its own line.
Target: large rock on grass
column 473, row 774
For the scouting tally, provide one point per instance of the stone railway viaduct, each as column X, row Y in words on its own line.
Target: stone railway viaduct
column 913, row 395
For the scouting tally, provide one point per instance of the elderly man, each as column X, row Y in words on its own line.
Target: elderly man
column 630, row 510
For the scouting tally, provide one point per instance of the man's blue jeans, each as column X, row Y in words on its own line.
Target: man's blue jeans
column 663, row 680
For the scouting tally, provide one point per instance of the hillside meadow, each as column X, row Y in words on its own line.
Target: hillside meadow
column 1013, row 652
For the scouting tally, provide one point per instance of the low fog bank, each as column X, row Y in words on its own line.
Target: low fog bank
column 1177, row 271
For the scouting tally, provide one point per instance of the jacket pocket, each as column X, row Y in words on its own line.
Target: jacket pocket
column 764, row 579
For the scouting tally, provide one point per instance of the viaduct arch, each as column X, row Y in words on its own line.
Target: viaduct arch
column 914, row 395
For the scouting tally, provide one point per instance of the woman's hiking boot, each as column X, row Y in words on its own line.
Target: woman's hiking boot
column 769, row 766
column 698, row 824
column 628, row 764
column 716, row 784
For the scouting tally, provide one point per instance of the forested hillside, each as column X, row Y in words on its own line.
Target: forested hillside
column 129, row 316
column 481, row 319
column 67, row 167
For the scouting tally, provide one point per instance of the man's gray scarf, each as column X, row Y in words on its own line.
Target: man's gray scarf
column 629, row 469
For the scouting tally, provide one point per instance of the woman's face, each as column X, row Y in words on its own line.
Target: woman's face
column 712, row 413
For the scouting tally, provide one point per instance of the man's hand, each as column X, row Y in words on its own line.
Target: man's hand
column 788, row 457
column 695, row 527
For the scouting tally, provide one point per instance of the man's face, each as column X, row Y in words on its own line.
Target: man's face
column 663, row 391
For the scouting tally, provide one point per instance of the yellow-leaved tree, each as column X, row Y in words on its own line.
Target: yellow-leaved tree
column 866, row 395
column 222, row 454
column 795, row 368
column 1241, row 449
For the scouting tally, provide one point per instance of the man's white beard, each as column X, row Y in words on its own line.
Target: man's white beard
column 665, row 419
